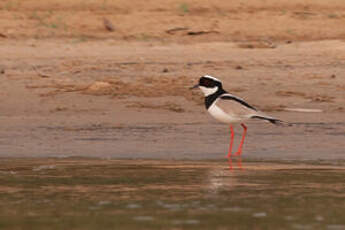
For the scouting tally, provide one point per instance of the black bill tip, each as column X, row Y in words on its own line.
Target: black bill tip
column 194, row 87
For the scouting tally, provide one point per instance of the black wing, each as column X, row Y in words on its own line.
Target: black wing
column 239, row 100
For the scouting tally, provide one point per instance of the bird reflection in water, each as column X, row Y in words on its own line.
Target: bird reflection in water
column 219, row 179
column 238, row 162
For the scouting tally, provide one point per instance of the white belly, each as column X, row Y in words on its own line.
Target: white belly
column 221, row 116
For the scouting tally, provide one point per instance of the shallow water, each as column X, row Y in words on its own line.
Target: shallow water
column 153, row 194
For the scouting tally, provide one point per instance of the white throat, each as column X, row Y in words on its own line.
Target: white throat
column 208, row 91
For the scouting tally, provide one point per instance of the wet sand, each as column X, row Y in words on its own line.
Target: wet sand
column 194, row 140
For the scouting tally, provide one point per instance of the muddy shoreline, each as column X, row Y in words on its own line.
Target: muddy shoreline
column 87, row 106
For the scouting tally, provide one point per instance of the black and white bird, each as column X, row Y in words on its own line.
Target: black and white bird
column 229, row 109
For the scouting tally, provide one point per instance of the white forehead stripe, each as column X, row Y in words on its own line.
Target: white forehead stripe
column 213, row 78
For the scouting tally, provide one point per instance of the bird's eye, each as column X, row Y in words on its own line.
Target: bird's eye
column 206, row 82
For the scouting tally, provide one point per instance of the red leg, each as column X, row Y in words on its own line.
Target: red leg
column 230, row 163
column 230, row 147
column 231, row 141
column 239, row 151
column 239, row 163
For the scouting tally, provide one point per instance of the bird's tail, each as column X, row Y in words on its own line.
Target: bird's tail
column 273, row 120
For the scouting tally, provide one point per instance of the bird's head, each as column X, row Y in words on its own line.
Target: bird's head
column 208, row 85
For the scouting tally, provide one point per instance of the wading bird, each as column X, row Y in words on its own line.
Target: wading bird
column 229, row 109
